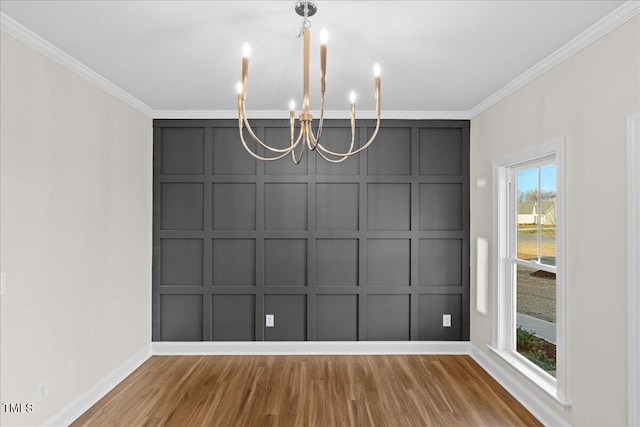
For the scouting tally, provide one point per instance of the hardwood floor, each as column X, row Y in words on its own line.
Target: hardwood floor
column 411, row 390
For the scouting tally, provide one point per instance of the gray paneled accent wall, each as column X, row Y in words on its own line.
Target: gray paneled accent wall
column 374, row 248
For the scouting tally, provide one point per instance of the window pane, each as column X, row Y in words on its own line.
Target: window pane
column 536, row 317
column 527, row 215
column 536, row 208
column 548, row 214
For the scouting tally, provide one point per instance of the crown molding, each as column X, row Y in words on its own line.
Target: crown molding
column 31, row 39
column 28, row 37
column 332, row 114
column 610, row 22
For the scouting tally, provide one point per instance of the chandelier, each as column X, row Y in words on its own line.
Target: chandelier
column 305, row 133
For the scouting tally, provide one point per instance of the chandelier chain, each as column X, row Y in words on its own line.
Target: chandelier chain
column 306, row 23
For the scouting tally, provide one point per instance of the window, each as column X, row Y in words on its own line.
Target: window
column 530, row 309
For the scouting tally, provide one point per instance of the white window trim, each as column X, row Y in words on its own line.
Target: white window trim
column 503, row 297
column 633, row 254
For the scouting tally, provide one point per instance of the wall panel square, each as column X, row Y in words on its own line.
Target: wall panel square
column 441, row 207
column 389, row 206
column 234, row 206
column 337, row 206
column 234, row 262
column 181, row 206
column 181, row 317
column 290, row 317
column 440, row 151
column 181, row 262
column 182, row 151
column 285, row 262
column 389, row 262
column 338, row 140
column 285, row 206
column 337, row 262
column 229, row 156
column 441, row 262
column 233, row 317
column 388, row 317
column 432, row 307
column 390, row 153
column 281, row 138
column 337, row 317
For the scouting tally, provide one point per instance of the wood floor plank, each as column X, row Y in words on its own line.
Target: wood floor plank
column 386, row 390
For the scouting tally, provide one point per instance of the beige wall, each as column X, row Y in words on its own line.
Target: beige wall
column 76, row 170
column 586, row 99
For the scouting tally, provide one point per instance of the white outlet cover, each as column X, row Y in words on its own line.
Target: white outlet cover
column 446, row 320
column 270, row 320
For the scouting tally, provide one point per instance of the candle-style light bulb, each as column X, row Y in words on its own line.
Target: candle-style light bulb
column 239, row 88
column 324, row 36
column 246, row 50
column 376, row 78
column 292, row 105
column 352, row 110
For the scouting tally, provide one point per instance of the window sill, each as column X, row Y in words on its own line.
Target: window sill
column 541, row 380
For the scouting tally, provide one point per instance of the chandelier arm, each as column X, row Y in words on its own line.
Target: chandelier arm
column 316, row 138
column 293, row 145
column 300, row 138
column 325, row 153
column 257, row 156
column 328, row 159
column 245, row 120
column 293, row 155
column 300, row 134
column 311, row 141
column 322, row 150
column 364, row 147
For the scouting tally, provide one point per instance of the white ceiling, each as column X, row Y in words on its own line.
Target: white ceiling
column 186, row 55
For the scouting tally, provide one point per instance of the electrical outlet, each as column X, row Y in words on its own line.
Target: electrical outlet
column 446, row 320
column 42, row 390
column 270, row 320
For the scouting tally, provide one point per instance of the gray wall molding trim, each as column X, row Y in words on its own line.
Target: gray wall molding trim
column 372, row 249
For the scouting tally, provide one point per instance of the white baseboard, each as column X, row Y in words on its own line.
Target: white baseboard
column 533, row 404
column 86, row 400
column 310, row 347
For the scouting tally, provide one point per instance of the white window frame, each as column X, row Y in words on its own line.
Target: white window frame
column 504, row 215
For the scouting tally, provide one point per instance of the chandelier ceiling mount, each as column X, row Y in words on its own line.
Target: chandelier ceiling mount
column 310, row 7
